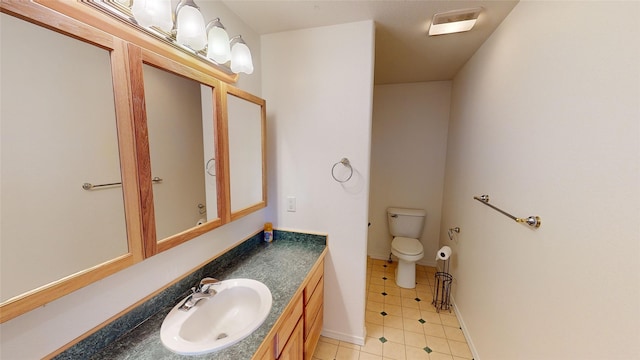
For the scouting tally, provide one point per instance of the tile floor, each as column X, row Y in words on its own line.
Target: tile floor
column 401, row 323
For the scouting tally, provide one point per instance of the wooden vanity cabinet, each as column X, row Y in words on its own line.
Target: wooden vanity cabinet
column 297, row 332
column 313, row 310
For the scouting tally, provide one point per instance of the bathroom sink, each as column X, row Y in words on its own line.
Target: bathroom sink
column 238, row 308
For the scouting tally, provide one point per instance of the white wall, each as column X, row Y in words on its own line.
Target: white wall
column 545, row 119
column 408, row 152
column 43, row 330
column 318, row 84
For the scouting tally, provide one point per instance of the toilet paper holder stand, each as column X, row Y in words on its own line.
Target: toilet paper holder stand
column 533, row 221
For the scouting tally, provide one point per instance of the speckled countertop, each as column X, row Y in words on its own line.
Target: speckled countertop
column 281, row 265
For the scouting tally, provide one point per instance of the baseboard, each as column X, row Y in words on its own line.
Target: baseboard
column 465, row 330
column 422, row 262
column 357, row 340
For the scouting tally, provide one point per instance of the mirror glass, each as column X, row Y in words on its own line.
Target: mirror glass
column 246, row 145
column 182, row 162
column 58, row 131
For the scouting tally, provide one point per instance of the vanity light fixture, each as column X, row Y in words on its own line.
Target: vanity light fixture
column 454, row 21
column 218, row 48
column 184, row 29
column 189, row 25
column 240, row 56
column 156, row 13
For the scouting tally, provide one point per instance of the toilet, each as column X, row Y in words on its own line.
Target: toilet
column 405, row 226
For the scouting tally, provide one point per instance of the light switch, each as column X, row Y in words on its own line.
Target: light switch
column 291, row 203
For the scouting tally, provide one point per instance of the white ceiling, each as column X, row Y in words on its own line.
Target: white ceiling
column 404, row 53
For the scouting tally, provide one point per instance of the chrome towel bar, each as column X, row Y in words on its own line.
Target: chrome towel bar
column 533, row 221
column 89, row 186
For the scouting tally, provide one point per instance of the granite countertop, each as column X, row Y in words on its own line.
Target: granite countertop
column 282, row 265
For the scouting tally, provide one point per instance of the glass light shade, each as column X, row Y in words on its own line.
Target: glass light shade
column 218, row 47
column 191, row 28
column 452, row 27
column 241, row 58
column 150, row 13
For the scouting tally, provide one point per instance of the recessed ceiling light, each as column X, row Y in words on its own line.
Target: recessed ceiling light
column 454, row 21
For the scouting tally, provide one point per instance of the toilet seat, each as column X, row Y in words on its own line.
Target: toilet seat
column 407, row 246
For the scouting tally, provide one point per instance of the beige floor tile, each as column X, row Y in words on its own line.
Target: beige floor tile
column 391, row 299
column 367, row 356
column 416, row 353
column 329, row 340
column 375, row 306
column 393, row 321
column 394, row 310
column 376, row 281
column 439, row 356
column 392, row 289
column 347, row 354
column 378, row 273
column 415, row 339
column 372, row 345
column 373, row 317
column 410, row 313
column 349, row 345
column 449, row 320
column 412, row 325
column 410, row 303
column 430, row 317
column 454, row 334
column 325, row 351
column 408, row 293
column 374, row 330
column 434, row 330
column 376, row 297
column 392, row 350
column 460, row 349
column 394, row 335
column 427, row 306
column 440, row 345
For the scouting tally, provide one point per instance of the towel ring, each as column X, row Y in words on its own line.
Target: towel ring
column 346, row 163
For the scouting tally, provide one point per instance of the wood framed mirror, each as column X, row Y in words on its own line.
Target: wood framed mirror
column 246, row 129
column 79, row 153
column 69, row 179
column 175, row 111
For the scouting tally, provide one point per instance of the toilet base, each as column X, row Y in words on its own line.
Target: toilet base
column 406, row 274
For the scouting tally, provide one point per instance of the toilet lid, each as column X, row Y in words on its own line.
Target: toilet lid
column 407, row 246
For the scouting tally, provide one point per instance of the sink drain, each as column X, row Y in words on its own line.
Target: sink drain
column 221, row 336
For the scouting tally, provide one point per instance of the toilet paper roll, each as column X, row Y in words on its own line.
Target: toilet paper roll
column 443, row 253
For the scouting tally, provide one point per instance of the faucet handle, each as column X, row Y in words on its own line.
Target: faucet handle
column 206, row 283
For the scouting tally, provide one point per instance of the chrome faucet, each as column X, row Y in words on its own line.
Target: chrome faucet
column 202, row 291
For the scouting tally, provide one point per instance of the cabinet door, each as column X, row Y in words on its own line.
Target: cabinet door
column 295, row 345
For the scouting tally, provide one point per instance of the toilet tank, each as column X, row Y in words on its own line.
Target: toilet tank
column 406, row 222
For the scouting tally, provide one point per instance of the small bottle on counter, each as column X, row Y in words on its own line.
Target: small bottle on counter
column 268, row 232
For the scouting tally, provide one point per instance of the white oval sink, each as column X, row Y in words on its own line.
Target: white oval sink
column 214, row 323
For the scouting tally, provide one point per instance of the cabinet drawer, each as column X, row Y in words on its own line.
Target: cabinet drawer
column 311, row 340
column 313, row 307
column 313, row 282
column 294, row 350
column 291, row 317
